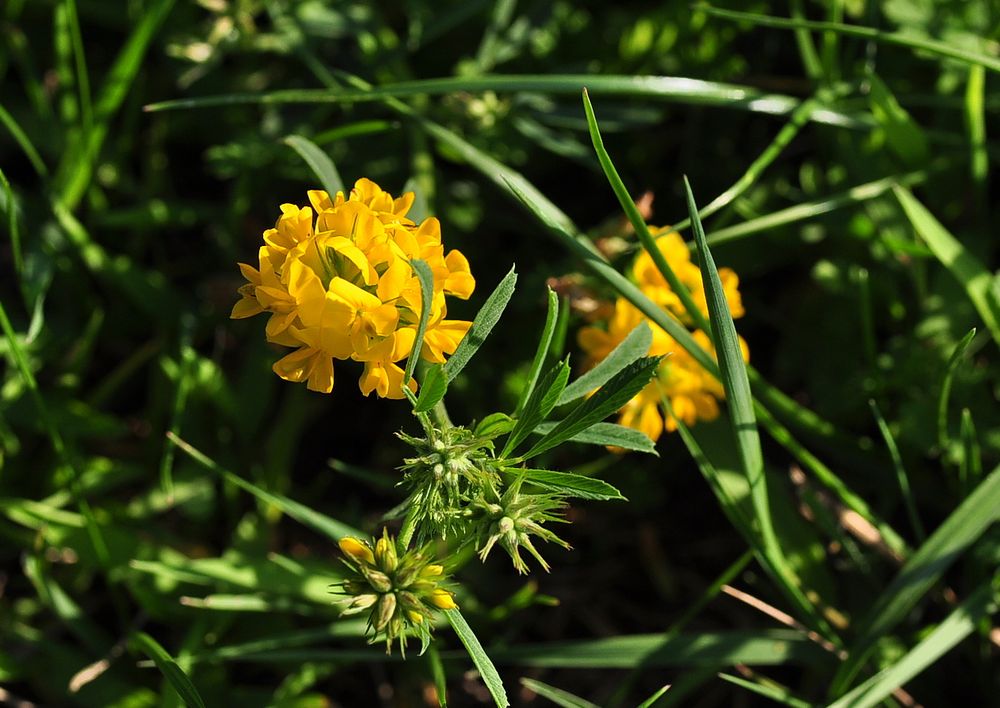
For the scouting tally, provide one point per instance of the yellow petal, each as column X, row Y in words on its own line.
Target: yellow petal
column 357, row 550
column 443, row 599
column 246, row 307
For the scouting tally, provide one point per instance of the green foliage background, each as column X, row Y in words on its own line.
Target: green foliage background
column 861, row 227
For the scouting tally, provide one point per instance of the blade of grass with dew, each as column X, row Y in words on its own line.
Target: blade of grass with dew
column 556, row 695
column 538, row 407
column 426, row 278
column 902, row 478
column 541, row 353
column 773, row 647
column 144, row 643
column 675, row 89
column 607, row 434
column 961, row 623
column 487, row 317
column 479, row 657
column 949, row 375
column 635, row 218
column 966, row 268
column 78, row 162
column 945, row 546
column 329, row 527
column 778, row 694
column 574, row 485
column 320, row 163
column 899, row 39
column 635, row 345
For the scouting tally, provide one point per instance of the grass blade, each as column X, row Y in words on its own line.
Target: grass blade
column 557, row 695
column 957, row 626
column 897, row 464
column 949, row 375
column 973, row 275
column 966, row 524
column 168, row 667
column 331, row 528
column 320, row 163
column 635, row 345
column 776, row 693
column 479, row 657
column 542, row 352
column 482, row 325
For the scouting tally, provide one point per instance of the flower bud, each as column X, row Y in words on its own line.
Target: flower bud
column 385, row 553
column 442, row 599
column 357, row 550
column 385, row 611
column 378, row 580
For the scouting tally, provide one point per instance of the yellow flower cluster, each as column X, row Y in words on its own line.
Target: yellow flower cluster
column 337, row 280
column 693, row 393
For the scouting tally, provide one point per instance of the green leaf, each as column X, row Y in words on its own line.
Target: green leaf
column 541, row 403
column 482, row 325
column 320, row 163
column 495, row 424
column 635, row 345
column 945, row 546
column 574, row 485
column 777, row 693
column 608, row 399
column 904, row 136
column 426, row 278
column 329, row 527
column 432, row 389
column 168, row 667
column 556, row 695
column 901, row 477
column 479, row 657
column 541, row 352
column 607, row 434
column 949, row 375
column 962, row 622
column 967, row 269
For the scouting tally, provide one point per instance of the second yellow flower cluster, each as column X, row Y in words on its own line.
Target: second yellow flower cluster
column 692, row 392
column 336, row 278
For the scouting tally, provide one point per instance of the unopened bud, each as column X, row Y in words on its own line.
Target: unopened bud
column 385, row 554
column 386, row 609
column 377, row 579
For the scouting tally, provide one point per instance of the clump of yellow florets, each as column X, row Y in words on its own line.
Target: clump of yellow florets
column 336, row 278
column 692, row 392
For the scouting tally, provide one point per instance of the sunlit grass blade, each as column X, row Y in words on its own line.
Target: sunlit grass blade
column 899, row 39
column 331, row 528
column 744, row 421
column 949, row 375
column 426, row 278
column 77, row 165
column 636, row 344
column 975, row 126
column 168, row 667
column 675, row 89
column 556, row 695
column 635, row 218
column 779, row 694
column 945, row 546
column 967, row 269
column 479, row 657
column 319, row 162
column 541, row 352
column 655, row 697
column 962, row 622
column 901, row 476
column 482, row 325
column 607, row 434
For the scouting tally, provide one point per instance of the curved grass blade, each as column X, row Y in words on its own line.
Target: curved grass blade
column 556, row 695
column 482, row 325
column 635, row 345
column 962, row 622
column 479, row 657
column 574, row 485
column 168, row 667
column 776, row 692
column 897, row 464
column 426, row 278
column 541, row 353
column 319, row 161
column 951, row 539
column 608, row 399
column 541, row 403
column 970, row 468
column 22, row 139
column 608, row 434
column 899, row 39
column 331, row 528
column 675, row 89
column 967, row 269
column 949, row 375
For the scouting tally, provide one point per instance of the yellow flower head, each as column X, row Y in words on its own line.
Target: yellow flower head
column 336, row 279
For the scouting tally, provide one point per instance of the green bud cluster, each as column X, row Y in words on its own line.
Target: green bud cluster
column 400, row 592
